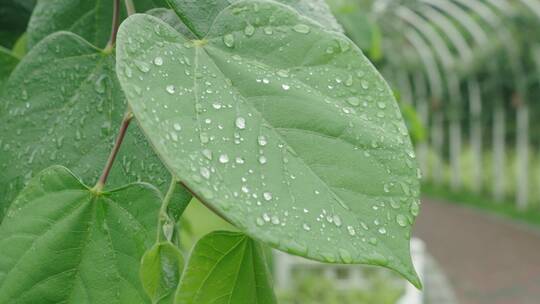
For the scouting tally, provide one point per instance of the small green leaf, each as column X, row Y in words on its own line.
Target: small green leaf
column 90, row 19
column 63, row 105
column 8, row 62
column 199, row 15
column 280, row 126
column 63, row 243
column 226, row 267
column 161, row 268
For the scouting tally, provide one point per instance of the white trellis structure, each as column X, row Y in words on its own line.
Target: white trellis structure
column 446, row 49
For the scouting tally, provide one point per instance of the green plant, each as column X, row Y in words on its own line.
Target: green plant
column 261, row 109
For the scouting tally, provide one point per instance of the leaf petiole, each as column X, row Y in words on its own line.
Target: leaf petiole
column 164, row 218
column 115, row 26
column 119, row 139
column 130, row 7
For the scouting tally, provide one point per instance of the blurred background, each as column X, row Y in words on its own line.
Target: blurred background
column 467, row 76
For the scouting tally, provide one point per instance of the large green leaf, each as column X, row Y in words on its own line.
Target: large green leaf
column 8, row 62
column 63, row 105
column 63, row 243
column 161, row 268
column 226, row 267
column 280, row 126
column 91, row 19
column 199, row 15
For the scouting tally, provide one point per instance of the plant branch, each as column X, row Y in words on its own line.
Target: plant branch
column 130, row 7
column 115, row 25
column 119, row 139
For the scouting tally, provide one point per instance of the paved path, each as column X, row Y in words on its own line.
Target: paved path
column 488, row 260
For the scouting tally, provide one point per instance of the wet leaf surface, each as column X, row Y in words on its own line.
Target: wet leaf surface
column 63, row 243
column 280, row 126
column 63, row 105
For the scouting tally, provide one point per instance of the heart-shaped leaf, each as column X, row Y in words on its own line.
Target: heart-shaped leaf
column 63, row 243
column 281, row 127
column 161, row 268
column 226, row 267
column 91, row 19
column 199, row 15
column 8, row 62
column 63, row 105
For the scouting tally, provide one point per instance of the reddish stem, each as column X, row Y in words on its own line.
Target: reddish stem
column 119, row 139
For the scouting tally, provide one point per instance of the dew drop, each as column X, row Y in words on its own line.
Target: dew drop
column 205, row 172
column 351, row 230
column 415, row 208
column 306, row 227
column 240, row 123
column 262, row 140
column 353, row 101
column 301, row 28
column 204, row 138
column 170, row 89
column 174, row 136
column 228, row 40
column 364, row 84
column 158, row 61
column 394, row 204
column 345, row 256
column 364, row 226
column 267, row 196
column 142, row 66
column 262, row 159
column 207, row 153
column 249, row 30
column 337, row 220
column 177, row 127
column 223, row 158
column 283, row 73
column 401, row 220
